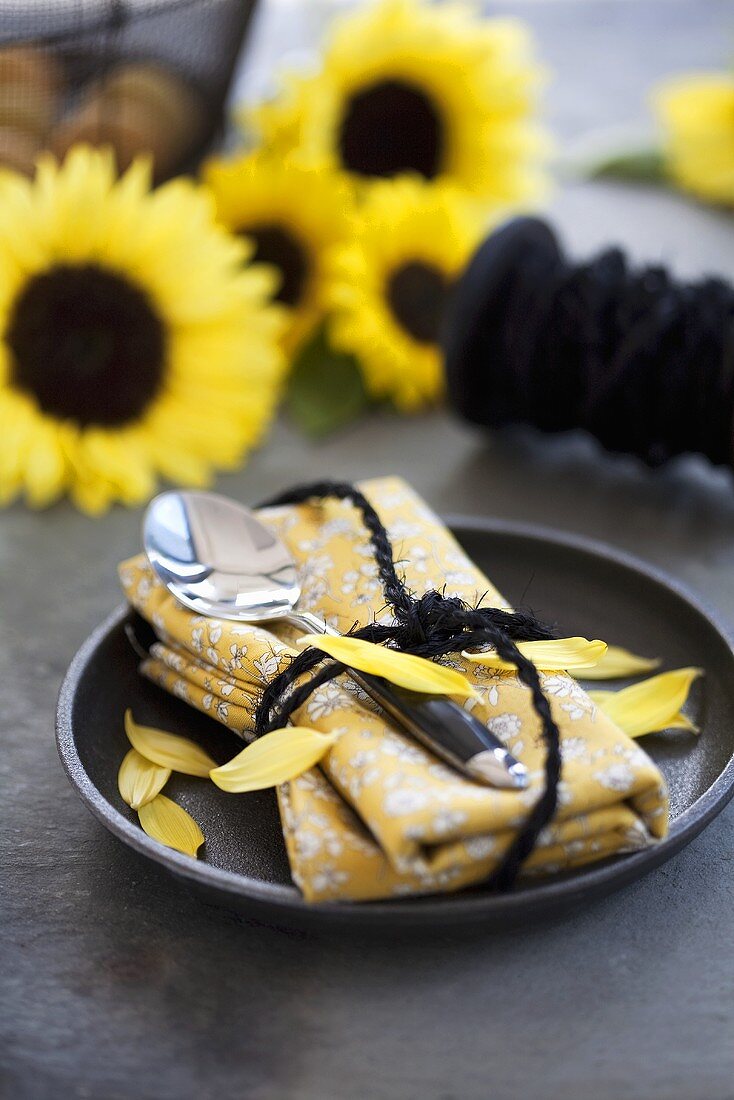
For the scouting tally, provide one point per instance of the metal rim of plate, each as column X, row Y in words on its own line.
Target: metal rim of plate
column 283, row 904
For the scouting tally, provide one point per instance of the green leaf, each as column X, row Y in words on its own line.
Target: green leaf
column 638, row 166
column 325, row 389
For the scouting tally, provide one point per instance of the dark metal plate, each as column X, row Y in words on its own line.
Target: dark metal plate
column 584, row 587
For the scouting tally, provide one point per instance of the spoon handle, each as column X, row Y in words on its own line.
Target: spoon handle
column 439, row 723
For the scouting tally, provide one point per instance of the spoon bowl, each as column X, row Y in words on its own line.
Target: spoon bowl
column 218, row 559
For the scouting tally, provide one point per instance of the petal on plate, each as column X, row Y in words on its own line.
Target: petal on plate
column 168, row 823
column 167, row 749
column 555, row 654
column 403, row 669
column 655, row 704
column 618, row 663
column 140, row 780
column 273, row 759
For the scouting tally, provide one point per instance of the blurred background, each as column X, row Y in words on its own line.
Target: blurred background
column 298, row 122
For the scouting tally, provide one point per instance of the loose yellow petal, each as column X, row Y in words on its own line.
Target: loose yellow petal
column 618, row 663
column 168, row 823
column 139, row 780
column 167, row 750
column 414, row 673
column 558, row 653
column 654, row 704
column 683, row 722
column 273, row 759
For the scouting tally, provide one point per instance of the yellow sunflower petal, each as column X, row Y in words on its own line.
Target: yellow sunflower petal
column 655, row 704
column 140, row 780
column 696, row 113
column 558, row 653
column 617, row 663
column 273, row 759
column 167, row 749
column 168, row 823
column 45, row 465
column 683, row 722
column 403, row 669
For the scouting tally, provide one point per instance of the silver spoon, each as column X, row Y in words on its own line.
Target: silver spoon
column 216, row 558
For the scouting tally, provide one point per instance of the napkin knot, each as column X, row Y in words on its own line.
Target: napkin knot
column 432, row 625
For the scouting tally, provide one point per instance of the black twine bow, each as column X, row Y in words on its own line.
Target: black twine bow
column 429, row 626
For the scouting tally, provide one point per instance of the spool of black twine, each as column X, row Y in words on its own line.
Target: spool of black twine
column 643, row 362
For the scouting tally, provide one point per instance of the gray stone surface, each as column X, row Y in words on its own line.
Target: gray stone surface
column 114, row 983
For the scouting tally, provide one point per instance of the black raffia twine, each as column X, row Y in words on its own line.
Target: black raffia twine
column 640, row 360
column 431, row 625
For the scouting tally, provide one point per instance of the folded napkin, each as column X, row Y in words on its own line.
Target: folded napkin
column 381, row 816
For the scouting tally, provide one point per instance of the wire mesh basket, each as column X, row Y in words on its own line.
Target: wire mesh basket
column 138, row 75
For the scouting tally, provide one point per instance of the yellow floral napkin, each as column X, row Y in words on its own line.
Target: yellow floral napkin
column 381, row 816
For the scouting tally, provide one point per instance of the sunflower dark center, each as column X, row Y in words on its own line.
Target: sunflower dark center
column 275, row 245
column 87, row 344
column 417, row 293
column 391, row 127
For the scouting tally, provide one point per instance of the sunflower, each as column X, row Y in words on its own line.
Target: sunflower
column 292, row 213
column 697, row 114
column 408, row 87
column 132, row 341
column 391, row 284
